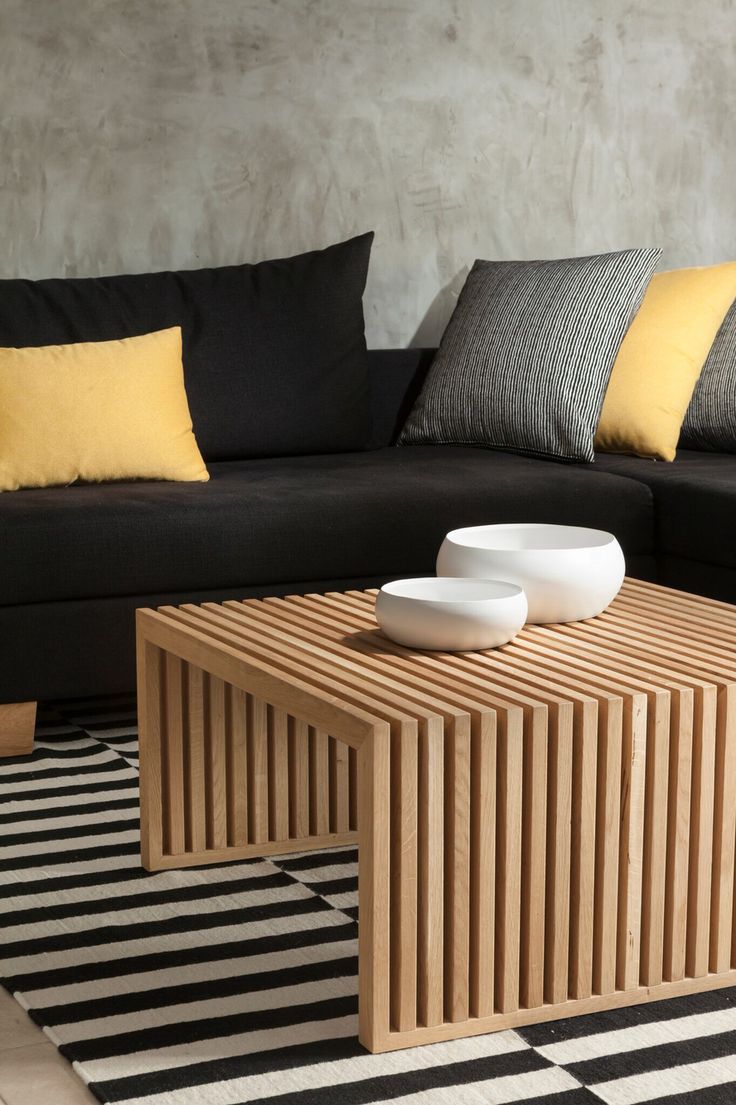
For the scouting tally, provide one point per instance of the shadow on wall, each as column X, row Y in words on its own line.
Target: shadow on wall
column 429, row 331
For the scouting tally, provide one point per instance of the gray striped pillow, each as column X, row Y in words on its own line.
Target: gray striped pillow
column 710, row 422
column 525, row 360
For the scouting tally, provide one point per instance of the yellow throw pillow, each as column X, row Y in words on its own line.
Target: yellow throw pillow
column 661, row 358
column 107, row 410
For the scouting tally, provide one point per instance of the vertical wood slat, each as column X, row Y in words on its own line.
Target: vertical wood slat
column 678, row 839
column 558, row 873
column 194, row 765
column 352, row 788
column 482, row 866
column 374, row 888
column 724, row 832
column 404, row 770
column 149, row 680
column 584, row 817
column 258, row 803
column 633, row 763
column 298, row 778
column 277, row 724
column 339, row 787
column 534, row 857
column 237, row 768
column 319, row 782
column 697, row 957
column 431, row 878
column 457, row 870
column 215, row 763
column 608, row 805
column 654, row 817
column 173, row 757
column 509, row 779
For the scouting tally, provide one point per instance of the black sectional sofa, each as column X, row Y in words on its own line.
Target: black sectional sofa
column 75, row 564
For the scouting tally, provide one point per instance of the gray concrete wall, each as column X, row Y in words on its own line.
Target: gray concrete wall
column 141, row 134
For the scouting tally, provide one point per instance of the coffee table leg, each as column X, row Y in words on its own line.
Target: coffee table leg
column 414, row 848
column 17, row 724
column 226, row 776
column 374, row 872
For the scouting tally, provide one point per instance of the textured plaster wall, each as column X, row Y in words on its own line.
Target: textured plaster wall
column 141, row 134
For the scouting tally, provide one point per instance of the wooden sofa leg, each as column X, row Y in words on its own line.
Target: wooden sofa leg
column 17, row 724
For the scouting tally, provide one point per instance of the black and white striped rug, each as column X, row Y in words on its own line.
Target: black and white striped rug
column 237, row 984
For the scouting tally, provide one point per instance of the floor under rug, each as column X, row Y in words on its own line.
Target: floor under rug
column 238, row 984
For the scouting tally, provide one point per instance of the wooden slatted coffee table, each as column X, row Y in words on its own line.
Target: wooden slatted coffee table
column 544, row 830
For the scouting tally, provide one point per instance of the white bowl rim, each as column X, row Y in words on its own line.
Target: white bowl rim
column 459, row 583
column 588, row 537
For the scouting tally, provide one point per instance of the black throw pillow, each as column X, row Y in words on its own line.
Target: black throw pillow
column 274, row 353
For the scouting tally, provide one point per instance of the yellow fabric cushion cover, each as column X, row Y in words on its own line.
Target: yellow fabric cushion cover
column 661, row 358
column 109, row 410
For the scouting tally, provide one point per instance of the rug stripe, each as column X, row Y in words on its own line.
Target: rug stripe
column 78, row 830
column 658, row 1085
column 178, row 955
column 661, row 1057
column 59, row 823
column 312, row 861
column 146, row 895
column 122, row 791
column 583, row 1049
column 523, row 1077
column 349, row 1065
column 608, row 1020
column 21, row 780
column 171, row 1041
column 93, row 885
column 247, row 1046
column 105, row 949
column 117, row 935
column 224, row 1014
column 143, row 989
column 255, row 903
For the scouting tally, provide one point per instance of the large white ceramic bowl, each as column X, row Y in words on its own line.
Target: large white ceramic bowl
column 451, row 615
column 567, row 572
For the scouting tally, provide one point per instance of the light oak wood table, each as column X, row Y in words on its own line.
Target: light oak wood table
column 544, row 830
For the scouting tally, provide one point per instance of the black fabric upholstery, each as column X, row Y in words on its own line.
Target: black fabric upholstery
column 698, row 577
column 694, row 503
column 272, row 521
column 76, row 562
column 274, row 353
column 396, row 378
column 69, row 649
column 87, row 647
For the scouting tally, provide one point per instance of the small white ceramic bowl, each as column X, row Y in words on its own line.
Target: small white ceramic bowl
column 567, row 572
column 451, row 615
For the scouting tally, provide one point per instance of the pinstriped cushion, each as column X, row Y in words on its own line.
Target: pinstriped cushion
column 525, row 359
column 710, row 422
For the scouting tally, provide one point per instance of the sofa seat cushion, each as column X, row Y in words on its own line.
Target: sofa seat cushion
column 318, row 517
column 694, row 502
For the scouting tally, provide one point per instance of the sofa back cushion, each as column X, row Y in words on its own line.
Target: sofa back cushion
column 274, row 353
column 397, row 376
